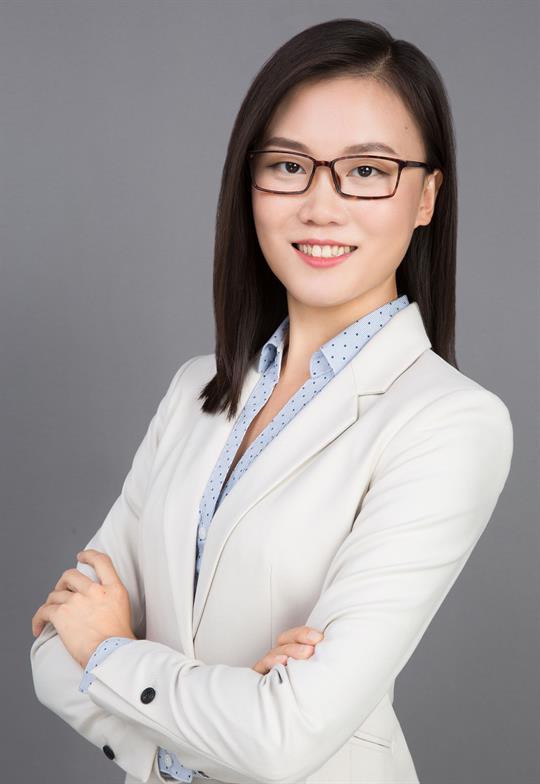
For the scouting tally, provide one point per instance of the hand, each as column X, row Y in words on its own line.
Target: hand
column 292, row 642
column 85, row 612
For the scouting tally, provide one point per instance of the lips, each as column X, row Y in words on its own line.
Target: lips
column 322, row 261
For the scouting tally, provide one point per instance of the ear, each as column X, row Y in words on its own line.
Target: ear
column 426, row 207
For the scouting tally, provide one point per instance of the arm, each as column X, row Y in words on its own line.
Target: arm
column 169, row 765
column 56, row 675
column 432, row 493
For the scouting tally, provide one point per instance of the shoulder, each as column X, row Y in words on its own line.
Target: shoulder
column 195, row 370
column 434, row 407
column 432, row 381
column 186, row 379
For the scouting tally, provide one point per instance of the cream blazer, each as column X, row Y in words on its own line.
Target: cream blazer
column 356, row 519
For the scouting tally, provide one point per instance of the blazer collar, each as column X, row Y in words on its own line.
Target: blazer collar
column 334, row 409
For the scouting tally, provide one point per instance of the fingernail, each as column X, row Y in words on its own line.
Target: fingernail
column 314, row 636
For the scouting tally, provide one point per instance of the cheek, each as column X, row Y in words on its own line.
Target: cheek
column 383, row 220
column 272, row 219
column 270, row 214
column 257, row 208
column 386, row 230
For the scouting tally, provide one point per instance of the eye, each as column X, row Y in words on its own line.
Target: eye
column 365, row 168
column 287, row 163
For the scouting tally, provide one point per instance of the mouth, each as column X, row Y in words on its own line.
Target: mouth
column 352, row 247
column 324, row 261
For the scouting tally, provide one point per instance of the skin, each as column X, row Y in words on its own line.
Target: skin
column 327, row 117
column 83, row 612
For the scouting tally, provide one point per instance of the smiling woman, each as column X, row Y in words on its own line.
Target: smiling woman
column 379, row 217
column 373, row 464
column 344, row 139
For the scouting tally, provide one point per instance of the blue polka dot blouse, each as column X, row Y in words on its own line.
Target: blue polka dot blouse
column 325, row 363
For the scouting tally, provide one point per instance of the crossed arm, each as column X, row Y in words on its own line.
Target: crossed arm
column 432, row 493
column 56, row 675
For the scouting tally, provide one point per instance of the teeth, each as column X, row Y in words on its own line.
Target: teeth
column 326, row 251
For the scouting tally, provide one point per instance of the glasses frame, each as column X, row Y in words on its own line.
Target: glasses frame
column 331, row 164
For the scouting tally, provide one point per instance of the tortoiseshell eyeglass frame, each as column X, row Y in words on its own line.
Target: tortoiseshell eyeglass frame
column 402, row 165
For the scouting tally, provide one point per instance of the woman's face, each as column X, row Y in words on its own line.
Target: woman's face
column 328, row 117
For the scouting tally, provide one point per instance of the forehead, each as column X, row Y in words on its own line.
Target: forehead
column 330, row 115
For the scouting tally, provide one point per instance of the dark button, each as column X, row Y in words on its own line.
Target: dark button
column 148, row 695
column 108, row 752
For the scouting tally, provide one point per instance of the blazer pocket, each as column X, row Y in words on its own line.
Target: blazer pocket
column 374, row 742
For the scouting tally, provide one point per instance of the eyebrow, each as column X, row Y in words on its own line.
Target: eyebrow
column 352, row 149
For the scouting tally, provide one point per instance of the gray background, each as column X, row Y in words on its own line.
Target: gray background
column 115, row 118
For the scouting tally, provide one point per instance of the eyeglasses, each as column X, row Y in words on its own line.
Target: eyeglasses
column 280, row 171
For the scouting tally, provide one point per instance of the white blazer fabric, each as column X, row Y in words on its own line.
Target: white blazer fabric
column 356, row 519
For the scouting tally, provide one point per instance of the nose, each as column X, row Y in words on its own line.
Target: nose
column 322, row 172
column 321, row 203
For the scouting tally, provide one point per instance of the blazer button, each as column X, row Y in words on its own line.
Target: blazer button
column 108, row 752
column 148, row 695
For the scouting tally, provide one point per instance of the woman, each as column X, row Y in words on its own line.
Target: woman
column 181, row 644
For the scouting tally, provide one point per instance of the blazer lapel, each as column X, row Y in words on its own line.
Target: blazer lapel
column 334, row 409
column 181, row 507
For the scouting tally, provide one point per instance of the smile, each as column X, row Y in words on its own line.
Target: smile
column 316, row 259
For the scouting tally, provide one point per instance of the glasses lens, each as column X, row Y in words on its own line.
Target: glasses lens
column 280, row 171
column 365, row 176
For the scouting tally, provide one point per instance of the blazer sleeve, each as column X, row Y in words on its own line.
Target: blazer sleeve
column 100, row 653
column 432, row 492
column 56, row 675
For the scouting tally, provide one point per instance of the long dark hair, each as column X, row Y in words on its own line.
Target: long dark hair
column 249, row 300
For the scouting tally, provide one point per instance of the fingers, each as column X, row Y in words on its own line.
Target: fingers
column 298, row 642
column 300, row 634
column 281, row 654
column 265, row 664
column 295, row 649
column 103, row 565
column 59, row 597
column 74, row 580
column 45, row 613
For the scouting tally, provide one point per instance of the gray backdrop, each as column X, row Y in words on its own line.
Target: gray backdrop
column 114, row 122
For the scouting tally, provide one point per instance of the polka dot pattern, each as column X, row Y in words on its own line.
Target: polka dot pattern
column 324, row 364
